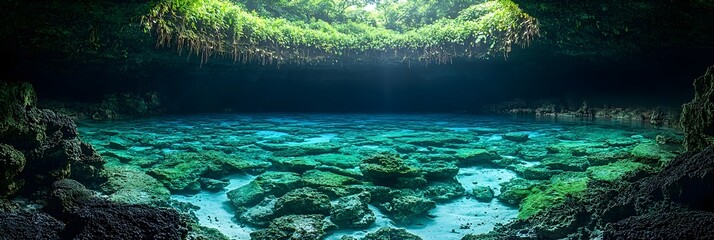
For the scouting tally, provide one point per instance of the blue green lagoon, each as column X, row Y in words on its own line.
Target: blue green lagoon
column 438, row 176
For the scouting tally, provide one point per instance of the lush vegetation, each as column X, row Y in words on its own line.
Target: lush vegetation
column 340, row 31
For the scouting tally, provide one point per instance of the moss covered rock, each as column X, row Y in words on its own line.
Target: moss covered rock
column 12, row 162
column 353, row 212
column 443, row 190
column 470, row 157
column 387, row 233
column 261, row 214
column 269, row 183
column 295, row 227
column 560, row 186
column 182, row 171
column 303, row 201
column 316, row 178
column 439, row 170
column 482, row 193
column 616, row 171
column 403, row 208
column 515, row 190
column 518, row 137
column 387, row 168
column 133, row 186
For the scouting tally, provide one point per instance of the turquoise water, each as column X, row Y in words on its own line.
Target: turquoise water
column 198, row 159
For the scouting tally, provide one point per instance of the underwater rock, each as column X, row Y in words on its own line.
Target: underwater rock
column 439, row 170
column 515, row 190
column 570, row 184
column 294, row 164
column 268, row 183
column 295, row 227
column 28, row 225
column 482, row 193
column 261, row 214
column 565, row 163
column 12, row 162
column 537, row 172
column 516, row 137
column 532, row 153
column 353, row 211
column 133, row 186
column 435, row 140
column 444, row 190
column 697, row 117
column 606, row 157
column 470, row 157
column 403, row 208
column 181, row 172
column 303, row 201
column 387, row 233
column 650, row 153
column 338, row 160
column 616, row 171
column 386, row 168
column 211, row 184
column 315, row 178
column 298, row 150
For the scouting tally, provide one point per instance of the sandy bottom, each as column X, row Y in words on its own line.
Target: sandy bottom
column 216, row 210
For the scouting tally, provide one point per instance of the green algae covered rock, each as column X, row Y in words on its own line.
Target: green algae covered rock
column 565, row 162
column 261, row 214
column 269, row 183
column 538, row 172
column 130, row 185
column 403, row 208
column 697, row 117
column 387, row 233
column 482, row 193
column 303, row 201
column 515, row 190
column 616, row 171
column 353, row 212
column 337, row 160
column 444, row 190
column 650, row 153
column 12, row 162
column 294, row 164
column 470, row 157
column 516, row 137
column 316, row 178
column 439, row 170
column 295, row 227
column 298, row 150
column 560, row 186
column 182, row 171
column 386, row 168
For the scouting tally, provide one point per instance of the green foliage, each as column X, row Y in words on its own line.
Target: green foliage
column 329, row 31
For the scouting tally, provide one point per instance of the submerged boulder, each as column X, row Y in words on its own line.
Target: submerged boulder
column 470, row 157
column 261, row 214
column 403, row 208
column 295, row 227
column 181, row 172
column 387, row 233
column 269, row 183
column 387, row 168
column 353, row 211
column 482, row 193
column 29, row 225
column 303, row 201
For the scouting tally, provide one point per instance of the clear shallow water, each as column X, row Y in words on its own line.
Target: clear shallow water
column 418, row 139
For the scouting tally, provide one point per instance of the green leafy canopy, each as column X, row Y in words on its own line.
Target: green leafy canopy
column 340, row 31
